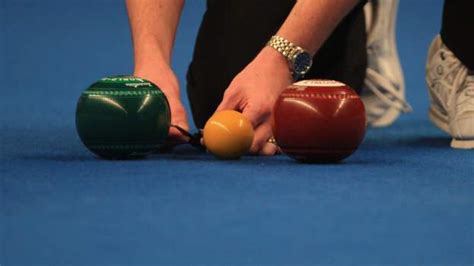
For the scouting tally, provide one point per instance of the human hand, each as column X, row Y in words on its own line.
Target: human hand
column 254, row 91
column 164, row 77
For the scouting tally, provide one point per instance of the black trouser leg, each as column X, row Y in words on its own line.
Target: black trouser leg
column 457, row 30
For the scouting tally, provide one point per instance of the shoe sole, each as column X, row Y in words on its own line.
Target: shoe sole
column 462, row 144
column 443, row 124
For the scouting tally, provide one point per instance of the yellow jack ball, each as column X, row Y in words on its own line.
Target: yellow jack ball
column 228, row 135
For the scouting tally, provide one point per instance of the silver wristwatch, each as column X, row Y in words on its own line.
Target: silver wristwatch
column 299, row 60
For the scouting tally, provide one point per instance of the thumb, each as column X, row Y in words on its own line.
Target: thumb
column 228, row 101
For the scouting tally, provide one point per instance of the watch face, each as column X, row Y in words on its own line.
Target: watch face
column 302, row 63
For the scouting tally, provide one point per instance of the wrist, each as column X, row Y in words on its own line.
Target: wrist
column 152, row 66
column 147, row 56
column 299, row 60
column 275, row 60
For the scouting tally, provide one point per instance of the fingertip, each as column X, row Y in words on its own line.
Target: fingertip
column 269, row 149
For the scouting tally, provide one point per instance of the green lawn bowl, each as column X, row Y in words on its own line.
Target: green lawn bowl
column 123, row 117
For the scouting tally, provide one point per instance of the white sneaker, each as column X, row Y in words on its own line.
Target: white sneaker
column 451, row 91
column 384, row 88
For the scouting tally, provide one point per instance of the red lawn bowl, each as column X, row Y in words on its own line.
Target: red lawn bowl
column 319, row 121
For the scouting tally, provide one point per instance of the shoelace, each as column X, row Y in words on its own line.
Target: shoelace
column 386, row 91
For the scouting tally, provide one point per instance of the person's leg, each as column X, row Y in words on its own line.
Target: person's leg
column 457, row 30
column 450, row 82
column 234, row 31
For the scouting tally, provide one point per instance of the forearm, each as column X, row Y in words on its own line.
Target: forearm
column 153, row 24
column 311, row 22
